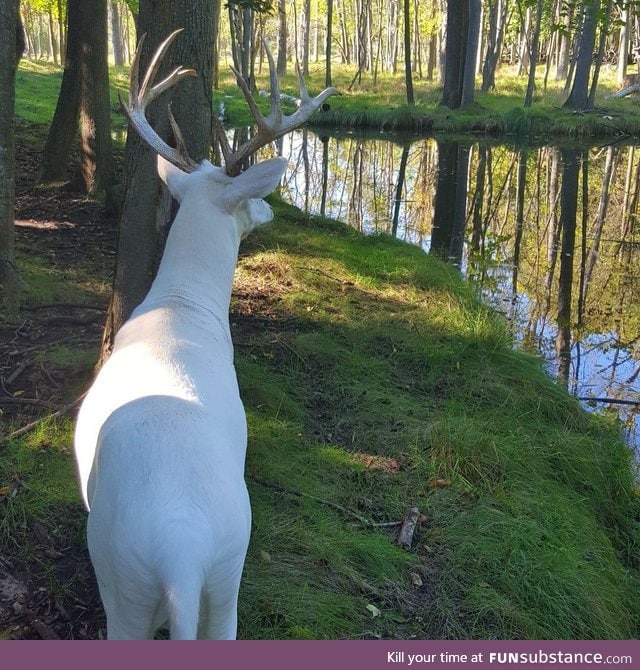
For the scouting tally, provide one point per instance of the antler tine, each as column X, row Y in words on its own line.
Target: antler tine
column 276, row 124
column 141, row 96
column 274, row 84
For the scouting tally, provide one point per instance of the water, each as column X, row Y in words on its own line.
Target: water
column 523, row 224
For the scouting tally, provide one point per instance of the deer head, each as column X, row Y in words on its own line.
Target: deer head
column 234, row 186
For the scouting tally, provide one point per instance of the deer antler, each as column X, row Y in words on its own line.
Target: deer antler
column 270, row 127
column 141, row 96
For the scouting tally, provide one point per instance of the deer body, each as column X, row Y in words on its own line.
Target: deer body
column 161, row 436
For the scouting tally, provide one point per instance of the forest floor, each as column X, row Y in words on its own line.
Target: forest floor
column 374, row 381
column 61, row 228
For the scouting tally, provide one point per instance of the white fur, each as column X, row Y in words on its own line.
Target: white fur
column 161, row 437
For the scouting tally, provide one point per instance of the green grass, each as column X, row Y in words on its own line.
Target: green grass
column 381, row 105
column 374, row 381
column 388, row 376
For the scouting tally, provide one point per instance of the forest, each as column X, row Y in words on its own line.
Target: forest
column 383, row 387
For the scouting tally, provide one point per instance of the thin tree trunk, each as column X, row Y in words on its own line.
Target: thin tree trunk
column 282, row 38
column 533, row 57
column 402, row 170
column 9, row 283
column 327, row 79
column 579, row 96
column 623, row 45
column 116, row 35
column 604, row 31
column 408, row 76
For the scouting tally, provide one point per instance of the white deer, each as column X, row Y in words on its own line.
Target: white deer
column 161, row 436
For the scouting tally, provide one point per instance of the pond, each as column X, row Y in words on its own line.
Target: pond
column 548, row 234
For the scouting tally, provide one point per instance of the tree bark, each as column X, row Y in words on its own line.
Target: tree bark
column 494, row 45
column 21, row 42
column 455, row 52
column 407, row 52
column 116, row 35
column 533, row 56
column 623, row 45
column 328, row 51
column 9, row 283
column 282, row 38
column 96, row 165
column 579, row 96
column 471, row 53
column 84, row 95
column 143, row 219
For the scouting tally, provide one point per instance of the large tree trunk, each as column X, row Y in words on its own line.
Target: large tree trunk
column 579, row 95
column 96, row 166
column 84, row 93
column 455, row 52
column 8, row 273
column 143, row 212
column 471, row 56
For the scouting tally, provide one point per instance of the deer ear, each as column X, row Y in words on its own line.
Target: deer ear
column 256, row 182
column 173, row 177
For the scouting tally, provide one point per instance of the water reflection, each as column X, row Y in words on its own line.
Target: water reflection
column 548, row 234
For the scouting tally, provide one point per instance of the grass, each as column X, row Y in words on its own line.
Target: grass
column 373, row 381
column 381, row 105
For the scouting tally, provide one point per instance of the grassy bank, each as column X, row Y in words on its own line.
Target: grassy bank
column 373, row 382
column 380, row 104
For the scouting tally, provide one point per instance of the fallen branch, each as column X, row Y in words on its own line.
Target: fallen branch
column 405, row 538
column 612, row 401
column 11, row 400
column 34, row 424
column 63, row 305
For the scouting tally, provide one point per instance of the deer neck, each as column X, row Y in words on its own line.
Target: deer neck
column 199, row 259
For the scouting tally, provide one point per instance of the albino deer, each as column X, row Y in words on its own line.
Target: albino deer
column 161, row 436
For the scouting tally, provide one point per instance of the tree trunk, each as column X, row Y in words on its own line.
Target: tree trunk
column 604, row 33
column 455, row 52
column 568, row 212
column 623, row 45
column 282, row 38
column 21, row 42
column 96, row 165
column 9, row 283
column 471, row 53
column 84, row 97
column 579, row 96
column 564, row 40
column 64, row 125
column 116, row 35
column 407, row 52
column 494, row 45
column 327, row 77
column 142, row 221
column 55, row 46
column 306, row 37
column 402, row 170
column 533, row 56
